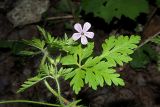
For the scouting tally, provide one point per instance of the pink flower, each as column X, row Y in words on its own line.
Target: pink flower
column 82, row 33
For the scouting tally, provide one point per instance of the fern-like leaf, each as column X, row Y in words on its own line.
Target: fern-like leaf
column 37, row 43
column 99, row 70
column 30, row 82
column 100, row 74
column 47, row 36
column 77, row 53
column 118, row 50
column 77, row 81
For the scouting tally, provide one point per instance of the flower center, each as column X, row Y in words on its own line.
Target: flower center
column 82, row 33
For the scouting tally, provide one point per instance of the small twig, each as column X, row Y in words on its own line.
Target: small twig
column 152, row 14
column 60, row 17
column 149, row 39
column 150, row 17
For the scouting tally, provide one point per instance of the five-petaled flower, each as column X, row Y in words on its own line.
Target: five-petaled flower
column 82, row 32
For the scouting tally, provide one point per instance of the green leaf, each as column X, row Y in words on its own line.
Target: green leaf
column 87, row 51
column 30, row 82
column 37, row 43
column 77, row 81
column 91, row 62
column 69, row 60
column 106, row 75
column 47, row 69
column 117, row 51
column 94, row 76
column 77, row 53
column 100, row 74
column 65, row 71
column 70, row 75
column 47, row 36
column 99, row 77
column 90, row 79
column 98, row 70
column 54, row 42
column 112, row 77
column 108, row 9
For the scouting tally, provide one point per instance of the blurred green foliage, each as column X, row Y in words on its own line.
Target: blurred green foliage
column 158, row 3
column 142, row 56
column 13, row 45
column 156, row 40
column 108, row 9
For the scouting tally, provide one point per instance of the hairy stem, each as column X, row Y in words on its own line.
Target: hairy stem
column 61, row 99
column 28, row 101
column 44, row 57
column 54, row 92
column 59, row 92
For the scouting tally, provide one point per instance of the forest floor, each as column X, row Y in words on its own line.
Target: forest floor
column 142, row 87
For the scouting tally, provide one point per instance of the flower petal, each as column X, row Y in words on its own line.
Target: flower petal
column 76, row 36
column 84, row 40
column 86, row 26
column 89, row 34
column 78, row 27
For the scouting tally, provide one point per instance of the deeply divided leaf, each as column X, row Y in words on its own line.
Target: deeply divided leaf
column 77, row 81
column 76, row 54
column 37, row 43
column 30, row 82
column 117, row 50
column 99, row 70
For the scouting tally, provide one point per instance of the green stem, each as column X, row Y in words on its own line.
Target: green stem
column 28, row 101
column 50, row 89
column 56, row 79
column 59, row 92
column 54, row 92
column 44, row 57
column 58, row 85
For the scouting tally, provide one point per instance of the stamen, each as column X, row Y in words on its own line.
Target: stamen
column 82, row 33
